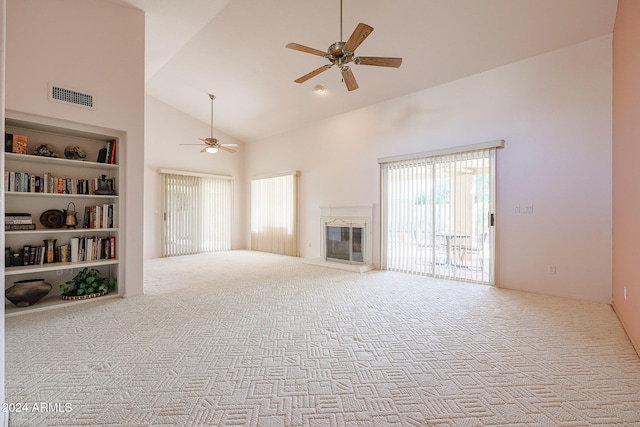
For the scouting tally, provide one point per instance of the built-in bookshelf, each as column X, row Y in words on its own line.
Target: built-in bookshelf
column 63, row 210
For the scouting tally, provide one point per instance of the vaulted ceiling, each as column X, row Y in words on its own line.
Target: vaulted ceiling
column 235, row 49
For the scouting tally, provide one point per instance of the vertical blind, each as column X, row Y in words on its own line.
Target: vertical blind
column 197, row 213
column 274, row 214
column 437, row 215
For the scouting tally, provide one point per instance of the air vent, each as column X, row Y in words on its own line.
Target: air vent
column 69, row 96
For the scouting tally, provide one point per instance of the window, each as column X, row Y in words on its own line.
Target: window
column 274, row 214
column 197, row 213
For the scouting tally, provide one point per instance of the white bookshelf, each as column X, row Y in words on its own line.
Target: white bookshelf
column 59, row 135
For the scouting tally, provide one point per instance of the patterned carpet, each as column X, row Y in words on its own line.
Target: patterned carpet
column 249, row 339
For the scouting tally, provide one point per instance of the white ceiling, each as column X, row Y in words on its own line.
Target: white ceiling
column 235, row 49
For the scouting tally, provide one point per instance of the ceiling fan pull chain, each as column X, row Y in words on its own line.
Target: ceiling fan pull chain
column 212, row 98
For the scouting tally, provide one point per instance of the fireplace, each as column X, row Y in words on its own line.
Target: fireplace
column 345, row 237
column 344, row 244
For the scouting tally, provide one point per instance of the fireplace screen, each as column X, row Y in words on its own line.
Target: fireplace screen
column 345, row 244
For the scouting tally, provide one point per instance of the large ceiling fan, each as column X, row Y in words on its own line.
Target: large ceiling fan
column 212, row 145
column 342, row 53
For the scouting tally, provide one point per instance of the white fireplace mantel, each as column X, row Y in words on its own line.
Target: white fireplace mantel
column 346, row 211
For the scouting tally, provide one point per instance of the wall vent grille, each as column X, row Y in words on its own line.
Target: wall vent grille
column 69, row 96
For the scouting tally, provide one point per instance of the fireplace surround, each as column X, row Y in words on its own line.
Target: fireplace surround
column 345, row 238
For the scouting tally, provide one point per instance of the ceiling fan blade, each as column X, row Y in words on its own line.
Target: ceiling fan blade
column 313, row 73
column 227, row 149
column 301, row 48
column 204, row 150
column 229, row 145
column 361, row 32
column 349, row 79
column 378, row 61
column 190, row 144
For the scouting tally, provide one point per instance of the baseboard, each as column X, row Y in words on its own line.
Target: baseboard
column 635, row 344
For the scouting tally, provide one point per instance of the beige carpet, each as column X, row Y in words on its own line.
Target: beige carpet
column 249, row 339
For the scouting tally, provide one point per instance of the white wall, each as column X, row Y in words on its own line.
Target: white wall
column 553, row 111
column 91, row 46
column 165, row 129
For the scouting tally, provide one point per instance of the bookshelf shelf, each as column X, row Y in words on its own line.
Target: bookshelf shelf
column 57, row 161
column 56, row 195
column 61, row 231
column 48, row 303
column 13, row 271
column 32, row 202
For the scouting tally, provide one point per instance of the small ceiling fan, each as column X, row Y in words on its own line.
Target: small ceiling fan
column 212, row 145
column 342, row 53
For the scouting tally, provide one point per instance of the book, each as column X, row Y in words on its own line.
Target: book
column 108, row 155
column 19, row 227
column 8, row 142
column 75, row 243
column 26, row 252
column 112, row 247
column 32, row 254
column 18, row 221
column 19, row 144
column 41, row 253
column 17, row 218
column 113, row 152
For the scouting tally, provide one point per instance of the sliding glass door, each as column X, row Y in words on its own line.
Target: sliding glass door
column 438, row 215
column 196, row 213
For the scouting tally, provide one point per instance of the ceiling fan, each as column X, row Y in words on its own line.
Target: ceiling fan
column 212, row 145
column 342, row 53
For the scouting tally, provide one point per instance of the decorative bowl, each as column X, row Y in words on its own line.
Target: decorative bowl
column 24, row 293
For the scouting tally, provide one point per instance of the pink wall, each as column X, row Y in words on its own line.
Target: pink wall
column 95, row 47
column 626, row 173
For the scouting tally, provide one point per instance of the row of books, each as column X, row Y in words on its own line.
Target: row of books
column 78, row 249
column 108, row 153
column 99, row 216
column 27, row 255
column 89, row 249
column 23, row 182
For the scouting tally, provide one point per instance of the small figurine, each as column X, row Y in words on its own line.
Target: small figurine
column 45, row 150
column 73, row 152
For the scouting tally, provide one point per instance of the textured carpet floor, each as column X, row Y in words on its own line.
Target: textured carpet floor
column 249, row 339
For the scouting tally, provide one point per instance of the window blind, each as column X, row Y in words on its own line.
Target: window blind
column 274, row 214
column 197, row 213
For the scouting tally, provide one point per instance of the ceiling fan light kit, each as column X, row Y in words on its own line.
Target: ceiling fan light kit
column 342, row 53
column 212, row 145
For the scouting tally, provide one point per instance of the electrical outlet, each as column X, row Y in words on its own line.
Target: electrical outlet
column 59, row 272
column 625, row 292
column 551, row 269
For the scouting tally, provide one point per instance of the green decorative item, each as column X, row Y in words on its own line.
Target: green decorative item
column 88, row 283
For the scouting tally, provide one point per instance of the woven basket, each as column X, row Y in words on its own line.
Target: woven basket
column 77, row 297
